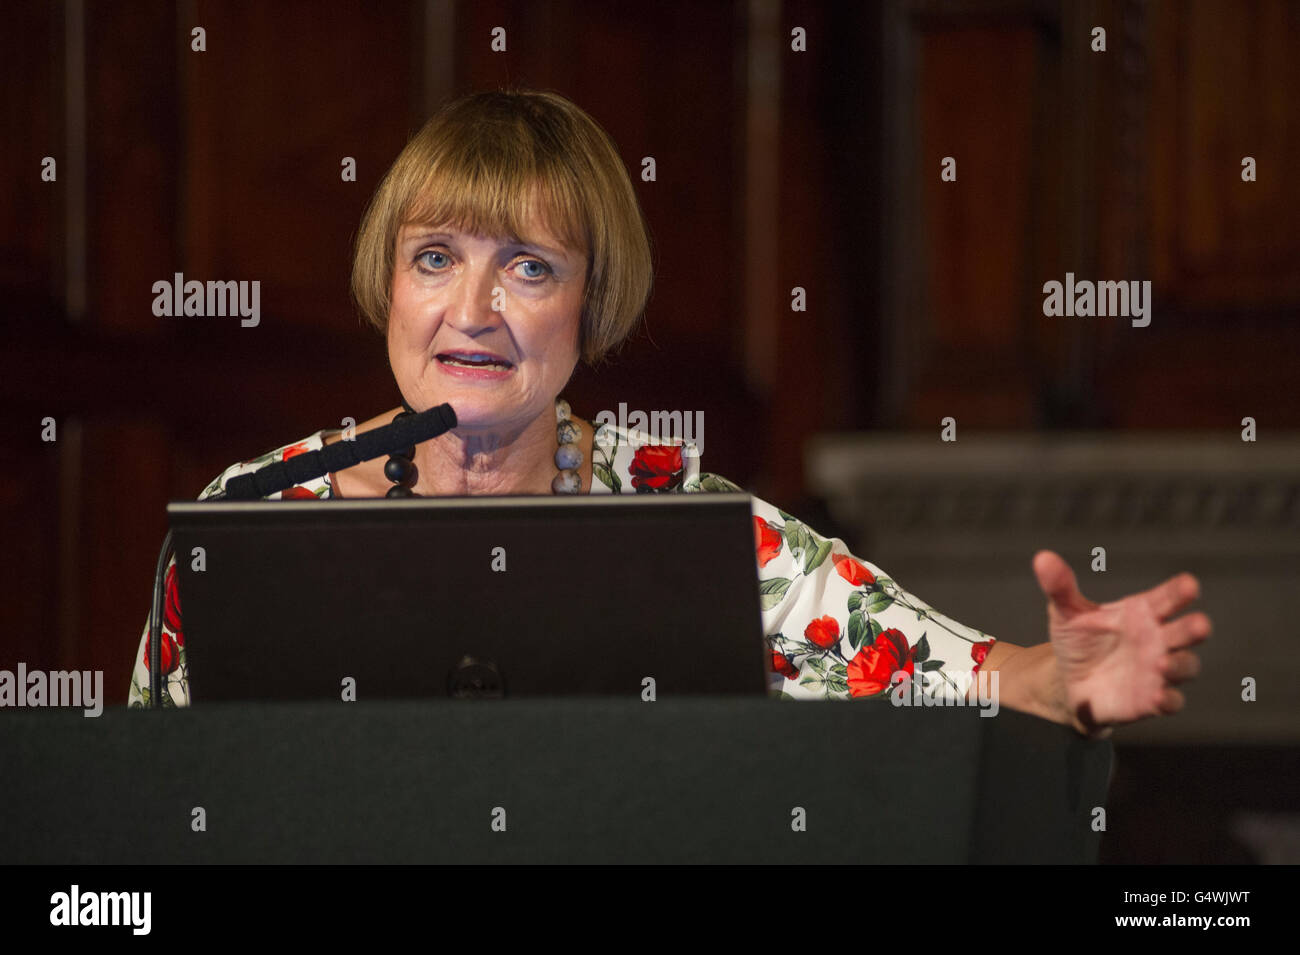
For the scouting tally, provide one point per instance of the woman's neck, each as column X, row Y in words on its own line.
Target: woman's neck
column 469, row 461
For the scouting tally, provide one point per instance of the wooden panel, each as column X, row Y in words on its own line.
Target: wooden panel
column 825, row 241
column 126, row 476
column 283, row 93
column 132, row 170
column 31, row 277
column 1226, row 81
column 977, row 253
column 31, row 126
column 1219, row 82
column 977, row 225
column 29, row 514
column 1184, row 376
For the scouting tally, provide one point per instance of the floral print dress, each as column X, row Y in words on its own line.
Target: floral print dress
column 836, row 626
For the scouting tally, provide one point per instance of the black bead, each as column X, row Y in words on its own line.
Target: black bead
column 400, row 471
column 398, row 491
column 408, row 453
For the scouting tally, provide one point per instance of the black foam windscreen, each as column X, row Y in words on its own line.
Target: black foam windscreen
column 404, row 432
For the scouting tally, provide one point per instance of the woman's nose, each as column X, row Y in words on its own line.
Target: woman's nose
column 478, row 298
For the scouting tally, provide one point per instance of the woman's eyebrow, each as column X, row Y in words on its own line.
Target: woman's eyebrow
column 553, row 252
column 425, row 236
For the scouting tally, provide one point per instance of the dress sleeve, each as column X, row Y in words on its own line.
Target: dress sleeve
column 174, row 667
column 176, row 687
column 839, row 627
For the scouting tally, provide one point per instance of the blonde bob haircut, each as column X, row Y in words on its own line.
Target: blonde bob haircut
column 483, row 164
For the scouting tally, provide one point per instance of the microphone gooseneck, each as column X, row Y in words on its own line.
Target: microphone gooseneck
column 377, row 443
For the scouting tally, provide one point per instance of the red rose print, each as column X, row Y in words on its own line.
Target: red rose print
column 852, row 570
column 171, row 657
column 870, row 670
column 172, row 608
column 296, row 493
column 783, row 665
column 978, row 652
column 767, row 542
column 823, row 632
column 300, row 448
column 656, row 467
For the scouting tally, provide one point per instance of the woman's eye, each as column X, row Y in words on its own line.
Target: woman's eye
column 425, row 257
column 538, row 270
column 434, row 261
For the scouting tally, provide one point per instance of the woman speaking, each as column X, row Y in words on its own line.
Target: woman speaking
column 504, row 246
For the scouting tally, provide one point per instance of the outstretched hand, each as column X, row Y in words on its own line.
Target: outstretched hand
column 1119, row 661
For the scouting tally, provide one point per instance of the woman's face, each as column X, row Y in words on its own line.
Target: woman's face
column 487, row 324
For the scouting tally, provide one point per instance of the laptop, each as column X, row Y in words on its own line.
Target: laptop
column 478, row 597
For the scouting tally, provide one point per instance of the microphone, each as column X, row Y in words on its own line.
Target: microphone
column 404, row 433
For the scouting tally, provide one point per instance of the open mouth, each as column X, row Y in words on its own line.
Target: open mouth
column 481, row 360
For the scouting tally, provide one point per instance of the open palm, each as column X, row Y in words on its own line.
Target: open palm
column 1119, row 660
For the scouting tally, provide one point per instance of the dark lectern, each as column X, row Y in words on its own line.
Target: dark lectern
column 554, row 780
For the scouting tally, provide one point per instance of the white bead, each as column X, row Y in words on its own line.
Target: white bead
column 567, row 432
column 568, row 457
column 566, row 482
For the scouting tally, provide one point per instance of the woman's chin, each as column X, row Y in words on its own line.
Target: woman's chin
column 482, row 407
column 474, row 402
column 479, row 415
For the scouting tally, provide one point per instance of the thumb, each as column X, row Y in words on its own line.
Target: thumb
column 1057, row 581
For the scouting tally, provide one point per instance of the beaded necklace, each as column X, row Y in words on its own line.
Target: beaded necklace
column 400, row 467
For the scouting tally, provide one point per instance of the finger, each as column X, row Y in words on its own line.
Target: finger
column 1173, row 595
column 1171, row 701
column 1186, row 631
column 1057, row 581
column 1182, row 666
